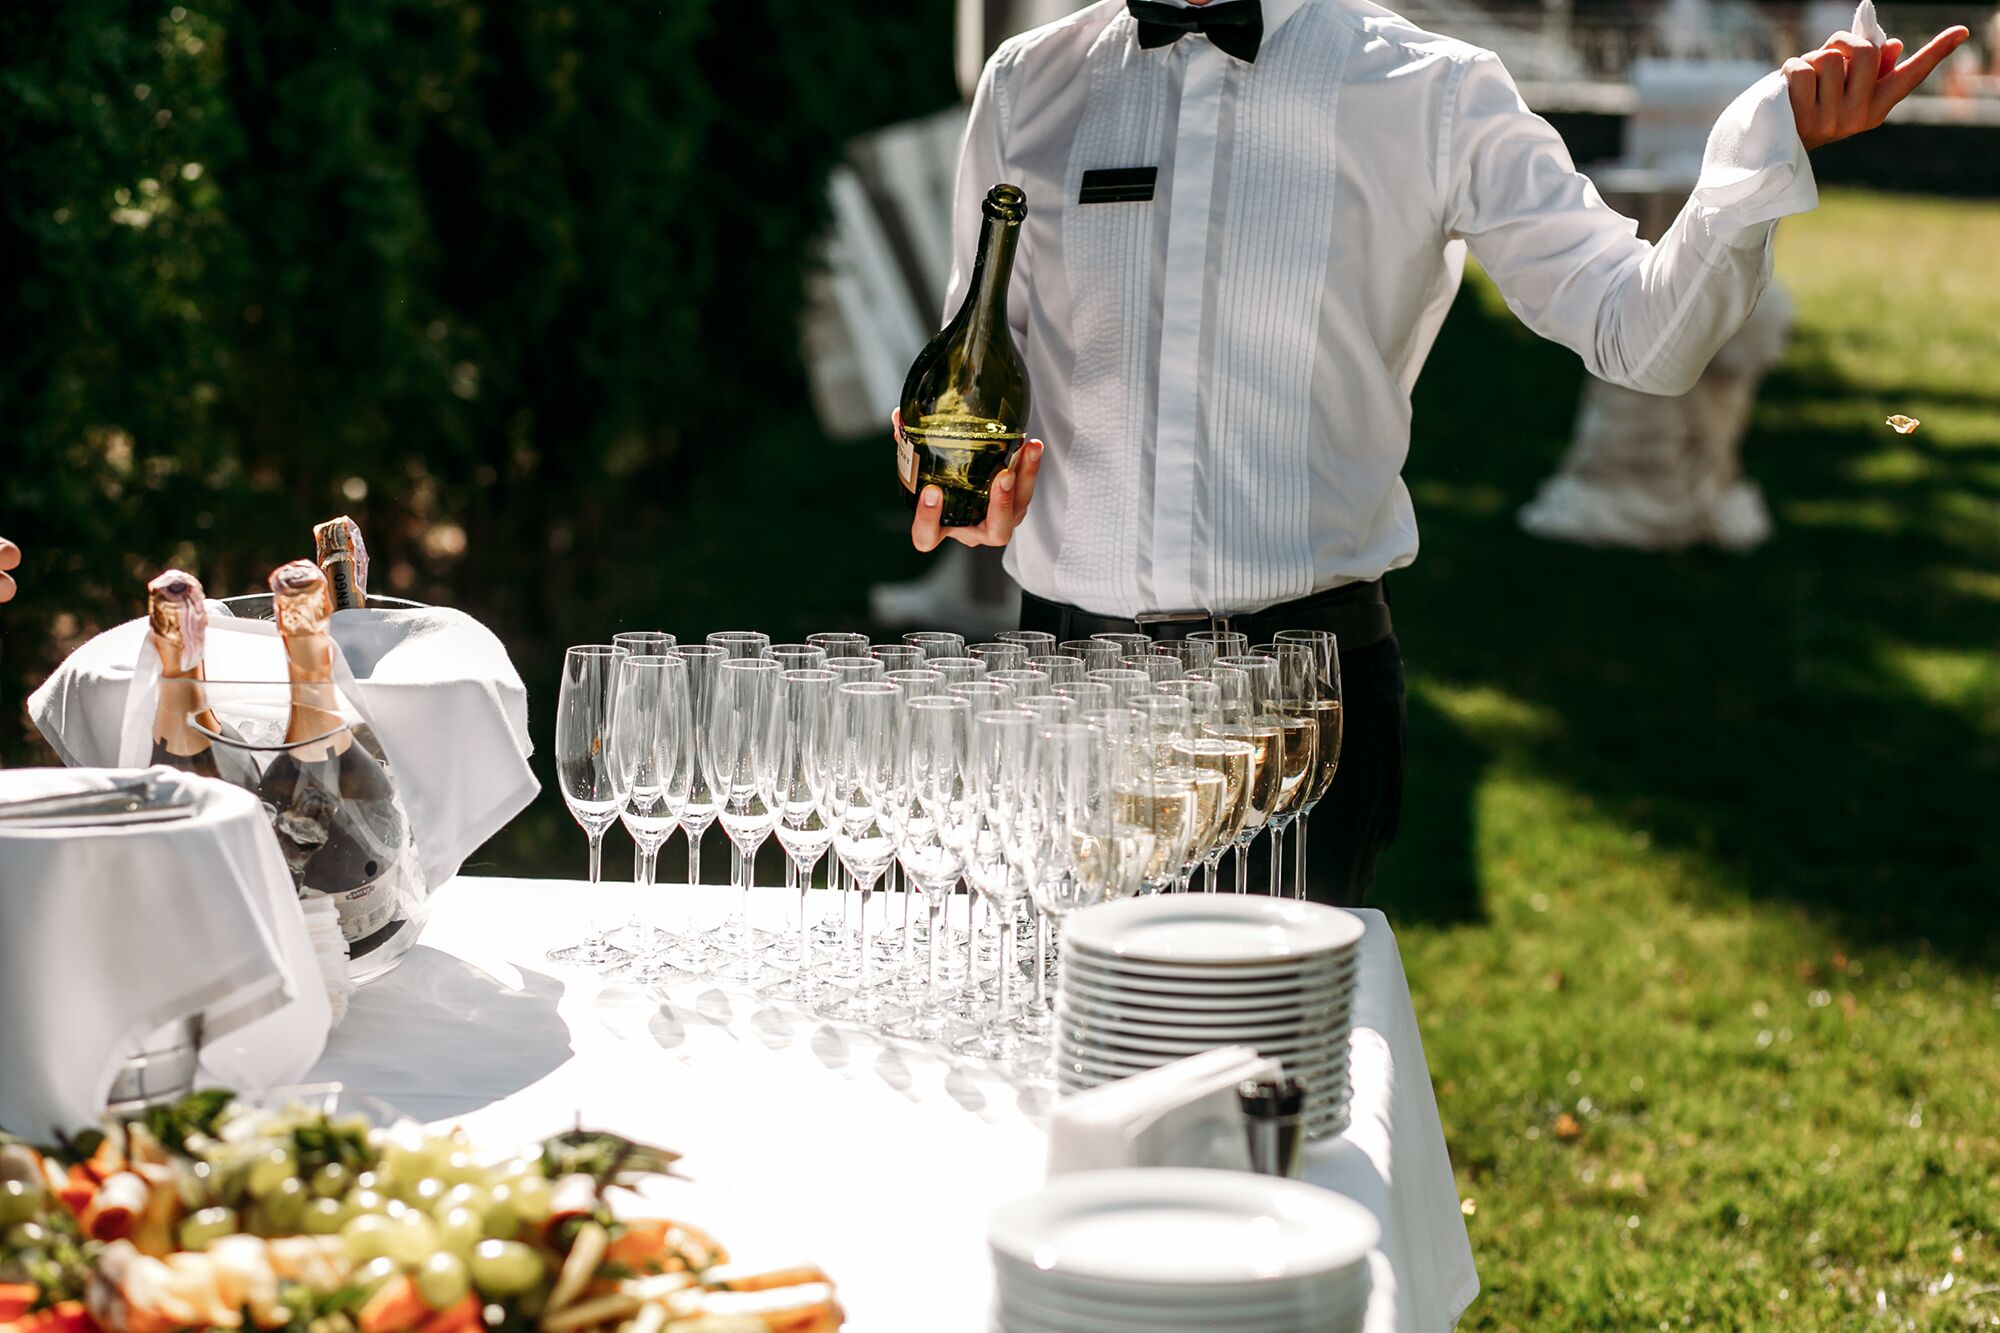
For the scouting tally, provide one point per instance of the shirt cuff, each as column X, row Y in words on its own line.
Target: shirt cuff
column 1755, row 170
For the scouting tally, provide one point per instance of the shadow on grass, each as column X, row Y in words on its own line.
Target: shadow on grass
column 1815, row 720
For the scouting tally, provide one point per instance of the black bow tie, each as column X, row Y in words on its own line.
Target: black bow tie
column 1235, row 26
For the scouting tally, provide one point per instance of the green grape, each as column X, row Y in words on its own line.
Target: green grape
column 506, row 1268
column 332, row 1180
column 377, row 1180
column 528, row 1196
column 323, row 1217
column 443, row 1280
column 516, row 1167
column 501, row 1223
column 406, row 1153
column 367, row 1237
column 20, row 1200
column 425, row 1193
column 371, row 1275
column 202, row 1229
column 271, row 1168
column 367, row 1201
column 458, row 1167
column 474, row 1197
column 460, row 1229
column 285, row 1206
column 412, row 1239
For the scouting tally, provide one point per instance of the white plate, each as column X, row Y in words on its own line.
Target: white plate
column 1049, row 1295
column 1324, row 1079
column 1167, row 1227
column 1068, row 1314
column 1209, row 929
column 1262, row 1022
column 1199, row 1040
column 1205, row 995
column 1161, row 976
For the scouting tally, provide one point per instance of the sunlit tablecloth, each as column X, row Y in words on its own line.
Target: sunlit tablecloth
column 809, row 1140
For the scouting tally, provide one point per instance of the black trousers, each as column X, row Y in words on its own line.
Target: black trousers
column 1357, row 818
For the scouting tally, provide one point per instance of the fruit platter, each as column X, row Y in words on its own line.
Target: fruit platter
column 228, row 1213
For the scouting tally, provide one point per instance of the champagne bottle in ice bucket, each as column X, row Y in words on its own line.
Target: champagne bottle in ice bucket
column 335, row 811
column 177, row 620
column 343, row 558
column 965, row 402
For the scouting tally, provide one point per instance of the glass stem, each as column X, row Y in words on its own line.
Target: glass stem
column 863, row 988
column 933, row 909
column 971, row 944
column 746, row 865
column 1277, row 859
column 596, row 854
column 694, row 857
column 909, row 924
column 1299, row 857
column 805, row 927
column 1005, row 1002
column 648, row 862
column 1243, row 866
column 1041, row 960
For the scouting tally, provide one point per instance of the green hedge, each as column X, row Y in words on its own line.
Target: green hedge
column 477, row 273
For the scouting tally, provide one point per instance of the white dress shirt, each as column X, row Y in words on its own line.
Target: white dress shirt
column 1222, row 374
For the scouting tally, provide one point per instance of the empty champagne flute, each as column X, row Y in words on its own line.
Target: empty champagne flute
column 851, row 669
column 999, row 655
column 1089, row 694
column 934, row 838
column 1063, row 668
column 1190, row 653
column 1034, row 640
column 1050, row 708
column 1023, row 680
column 983, row 694
column 704, row 665
column 1326, row 710
column 740, row 643
column 1001, row 858
column 1204, row 700
column 897, row 656
column 1127, row 644
column 797, row 656
column 1159, row 667
column 840, row 644
column 1225, row 642
column 1097, row 654
column 958, row 670
column 936, row 643
column 592, row 780
column 801, row 764
column 737, row 754
column 651, row 738
column 862, row 791
column 645, row 642
column 1122, row 682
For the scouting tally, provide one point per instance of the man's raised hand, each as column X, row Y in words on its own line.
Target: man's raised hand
column 1850, row 84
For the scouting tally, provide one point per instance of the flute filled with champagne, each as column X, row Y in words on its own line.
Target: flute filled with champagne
column 965, row 402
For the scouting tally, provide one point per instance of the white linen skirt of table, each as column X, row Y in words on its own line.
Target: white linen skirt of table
column 807, row 1140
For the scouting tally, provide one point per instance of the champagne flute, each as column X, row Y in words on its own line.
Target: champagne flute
column 1049, row 708
column 800, row 769
column 840, row 644
column 1326, row 709
column 999, row 655
column 873, row 665
column 1097, row 655
column 958, row 670
column 1025, row 680
column 1063, row 668
column 934, row 839
column 850, row 669
column 1260, row 728
column 1089, row 695
column 704, row 665
column 1127, row 644
column 586, row 767
column 1034, row 640
column 861, row 789
column 1190, row 653
column 1204, row 699
column 1123, row 683
column 651, row 737
column 1226, row 642
column 1232, row 763
column 1001, row 857
column 737, row 755
column 1159, row 667
column 1291, row 709
column 983, row 694
column 740, row 643
column 1232, row 691
column 797, row 656
column 1073, row 869
column 936, row 643
column 897, row 656
column 645, row 642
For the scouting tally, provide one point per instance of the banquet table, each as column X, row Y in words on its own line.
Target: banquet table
column 804, row 1139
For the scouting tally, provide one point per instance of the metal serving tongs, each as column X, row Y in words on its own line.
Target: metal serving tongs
column 134, row 800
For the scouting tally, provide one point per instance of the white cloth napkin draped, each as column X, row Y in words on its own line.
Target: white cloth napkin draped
column 109, row 933
column 436, row 685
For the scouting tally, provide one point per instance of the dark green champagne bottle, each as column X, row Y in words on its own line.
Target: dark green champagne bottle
column 965, row 403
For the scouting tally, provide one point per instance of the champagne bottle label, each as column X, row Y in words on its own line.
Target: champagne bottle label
column 906, row 462
column 363, row 911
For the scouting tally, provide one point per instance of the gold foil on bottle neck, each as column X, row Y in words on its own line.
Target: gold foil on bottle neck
column 342, row 536
column 178, row 614
column 299, row 598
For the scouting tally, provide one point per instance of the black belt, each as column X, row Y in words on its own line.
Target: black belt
column 1357, row 614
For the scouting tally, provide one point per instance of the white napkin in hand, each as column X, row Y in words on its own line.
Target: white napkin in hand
column 1182, row 1114
column 1866, row 25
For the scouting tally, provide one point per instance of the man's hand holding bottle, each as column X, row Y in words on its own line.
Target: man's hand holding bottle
column 1012, row 489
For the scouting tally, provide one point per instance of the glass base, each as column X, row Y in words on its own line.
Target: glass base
column 655, row 970
column 797, row 988
column 925, row 1024
column 590, row 953
column 997, row 1039
column 869, row 1007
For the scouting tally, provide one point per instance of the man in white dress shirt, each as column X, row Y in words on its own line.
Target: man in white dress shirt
column 1246, row 222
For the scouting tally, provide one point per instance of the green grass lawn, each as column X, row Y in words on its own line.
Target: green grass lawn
column 1695, row 857
column 1698, row 854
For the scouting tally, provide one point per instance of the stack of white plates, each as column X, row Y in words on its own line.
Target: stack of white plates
column 1146, row 981
column 1133, row 1251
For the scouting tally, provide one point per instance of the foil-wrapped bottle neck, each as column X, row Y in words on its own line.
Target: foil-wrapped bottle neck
column 299, row 598
column 177, row 613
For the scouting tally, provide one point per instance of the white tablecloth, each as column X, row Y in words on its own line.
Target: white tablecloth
column 809, row 1140
column 108, row 933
